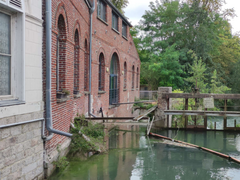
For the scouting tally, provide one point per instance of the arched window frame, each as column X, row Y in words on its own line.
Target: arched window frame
column 61, row 54
column 133, row 69
column 86, row 66
column 76, row 62
column 114, row 80
column 101, row 73
column 125, row 76
column 137, row 83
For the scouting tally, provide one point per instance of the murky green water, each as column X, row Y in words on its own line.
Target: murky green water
column 133, row 156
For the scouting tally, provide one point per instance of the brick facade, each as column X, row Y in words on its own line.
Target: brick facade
column 69, row 17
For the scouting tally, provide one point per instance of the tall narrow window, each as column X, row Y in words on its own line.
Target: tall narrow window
column 133, row 77
column 86, row 66
column 101, row 76
column 124, row 29
column 137, row 78
column 125, row 76
column 114, row 80
column 101, row 10
column 114, row 21
column 61, row 54
column 5, row 54
column 76, row 63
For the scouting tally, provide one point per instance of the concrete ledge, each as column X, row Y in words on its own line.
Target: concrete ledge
column 77, row 95
column 101, row 92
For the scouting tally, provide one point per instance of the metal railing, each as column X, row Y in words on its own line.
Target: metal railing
column 148, row 95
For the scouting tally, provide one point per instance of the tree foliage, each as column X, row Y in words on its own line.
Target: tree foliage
column 120, row 4
column 199, row 27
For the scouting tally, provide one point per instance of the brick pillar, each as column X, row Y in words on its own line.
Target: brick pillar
column 160, row 117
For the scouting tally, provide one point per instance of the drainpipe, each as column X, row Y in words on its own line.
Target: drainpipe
column 90, row 61
column 48, row 74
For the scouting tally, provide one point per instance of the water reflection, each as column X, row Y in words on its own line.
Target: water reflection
column 133, row 156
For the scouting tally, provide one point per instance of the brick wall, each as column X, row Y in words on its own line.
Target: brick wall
column 106, row 41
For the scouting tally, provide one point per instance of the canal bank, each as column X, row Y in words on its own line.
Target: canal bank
column 132, row 155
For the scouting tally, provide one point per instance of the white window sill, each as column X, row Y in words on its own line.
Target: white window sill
column 11, row 102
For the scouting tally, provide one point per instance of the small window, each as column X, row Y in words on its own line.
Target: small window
column 124, row 29
column 114, row 21
column 101, row 11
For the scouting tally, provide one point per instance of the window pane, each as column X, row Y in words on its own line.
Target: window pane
column 124, row 29
column 5, row 65
column 5, row 33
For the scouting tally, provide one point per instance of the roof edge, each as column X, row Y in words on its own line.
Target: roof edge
column 118, row 12
column 90, row 4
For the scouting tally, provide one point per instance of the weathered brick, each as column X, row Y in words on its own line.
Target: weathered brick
column 37, row 133
column 17, row 167
column 23, row 117
column 7, row 152
column 16, row 130
column 9, row 160
column 5, row 172
column 21, row 138
column 17, row 148
column 29, row 168
column 6, row 133
column 2, row 144
column 25, row 128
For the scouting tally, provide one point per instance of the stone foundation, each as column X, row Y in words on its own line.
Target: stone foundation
column 21, row 151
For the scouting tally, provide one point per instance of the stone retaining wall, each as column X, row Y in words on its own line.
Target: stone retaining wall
column 21, row 152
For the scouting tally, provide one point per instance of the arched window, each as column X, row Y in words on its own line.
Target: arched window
column 86, row 66
column 114, row 80
column 125, row 76
column 61, row 54
column 137, row 78
column 133, row 77
column 101, row 75
column 76, row 63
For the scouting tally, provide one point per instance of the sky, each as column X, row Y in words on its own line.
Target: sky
column 136, row 8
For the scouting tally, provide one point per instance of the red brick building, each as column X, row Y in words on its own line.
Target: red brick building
column 115, row 63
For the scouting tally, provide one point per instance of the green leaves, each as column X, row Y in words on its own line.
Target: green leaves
column 120, row 4
column 171, row 31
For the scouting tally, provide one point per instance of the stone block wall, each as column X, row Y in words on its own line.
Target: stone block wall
column 21, row 152
column 160, row 117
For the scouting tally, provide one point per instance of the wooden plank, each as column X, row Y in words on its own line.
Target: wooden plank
column 203, row 113
column 145, row 114
column 150, row 126
column 150, row 101
column 112, row 118
column 191, row 95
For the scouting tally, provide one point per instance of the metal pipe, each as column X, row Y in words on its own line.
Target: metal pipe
column 93, row 115
column 21, row 123
column 48, row 74
column 90, row 60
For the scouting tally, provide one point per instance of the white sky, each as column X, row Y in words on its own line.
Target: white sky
column 136, row 8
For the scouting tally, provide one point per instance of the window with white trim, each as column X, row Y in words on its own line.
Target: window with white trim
column 11, row 55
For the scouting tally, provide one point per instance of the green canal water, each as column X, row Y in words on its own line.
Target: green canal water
column 133, row 156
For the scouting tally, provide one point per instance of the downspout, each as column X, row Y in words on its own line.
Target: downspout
column 90, row 61
column 48, row 74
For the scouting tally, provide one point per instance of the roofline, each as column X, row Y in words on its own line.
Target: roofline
column 89, row 3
